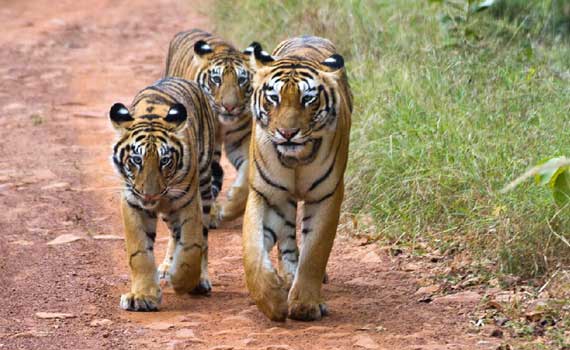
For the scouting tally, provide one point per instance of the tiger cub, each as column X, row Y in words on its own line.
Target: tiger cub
column 224, row 74
column 164, row 155
column 302, row 106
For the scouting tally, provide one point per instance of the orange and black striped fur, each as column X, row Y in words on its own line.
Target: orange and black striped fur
column 224, row 74
column 302, row 107
column 164, row 155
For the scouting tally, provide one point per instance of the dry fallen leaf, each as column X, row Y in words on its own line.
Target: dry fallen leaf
column 54, row 315
column 65, row 238
column 56, row 186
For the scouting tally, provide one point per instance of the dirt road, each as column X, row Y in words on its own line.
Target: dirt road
column 62, row 65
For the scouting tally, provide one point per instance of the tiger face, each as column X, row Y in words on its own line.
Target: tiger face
column 295, row 101
column 149, row 155
column 225, row 75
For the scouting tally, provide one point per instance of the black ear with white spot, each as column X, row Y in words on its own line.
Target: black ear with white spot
column 261, row 55
column 252, row 47
column 335, row 62
column 177, row 114
column 202, row 48
column 119, row 114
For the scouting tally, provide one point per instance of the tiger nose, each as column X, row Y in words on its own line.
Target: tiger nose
column 229, row 107
column 288, row 133
column 151, row 197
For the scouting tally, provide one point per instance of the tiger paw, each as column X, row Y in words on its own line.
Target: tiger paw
column 308, row 311
column 203, row 288
column 164, row 274
column 215, row 216
column 140, row 302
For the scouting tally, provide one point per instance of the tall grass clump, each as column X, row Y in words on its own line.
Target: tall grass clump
column 441, row 125
column 548, row 19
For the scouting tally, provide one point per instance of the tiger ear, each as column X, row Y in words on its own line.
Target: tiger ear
column 177, row 116
column 260, row 58
column 202, row 48
column 251, row 49
column 333, row 63
column 120, row 116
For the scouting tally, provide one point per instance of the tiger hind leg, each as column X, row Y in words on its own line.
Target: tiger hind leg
column 234, row 207
column 217, row 178
column 207, row 200
column 164, row 267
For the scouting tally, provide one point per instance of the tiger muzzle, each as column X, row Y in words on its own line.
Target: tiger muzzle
column 151, row 198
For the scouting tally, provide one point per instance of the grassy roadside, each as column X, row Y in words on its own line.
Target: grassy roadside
column 446, row 114
column 441, row 123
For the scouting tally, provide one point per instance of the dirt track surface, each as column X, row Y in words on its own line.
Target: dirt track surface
column 62, row 65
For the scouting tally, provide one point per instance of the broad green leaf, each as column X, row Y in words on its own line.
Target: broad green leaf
column 547, row 170
column 543, row 173
column 479, row 6
column 560, row 185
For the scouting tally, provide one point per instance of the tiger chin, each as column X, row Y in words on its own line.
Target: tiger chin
column 163, row 154
column 224, row 73
column 302, row 106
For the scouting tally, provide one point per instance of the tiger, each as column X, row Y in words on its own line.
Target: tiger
column 164, row 154
column 224, row 74
column 302, row 106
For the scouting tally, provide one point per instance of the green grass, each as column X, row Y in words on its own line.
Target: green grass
column 442, row 121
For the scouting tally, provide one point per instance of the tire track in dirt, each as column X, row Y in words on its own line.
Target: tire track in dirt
column 109, row 52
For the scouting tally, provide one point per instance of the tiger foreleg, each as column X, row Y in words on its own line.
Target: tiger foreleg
column 319, row 229
column 186, row 230
column 265, row 286
column 140, row 233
